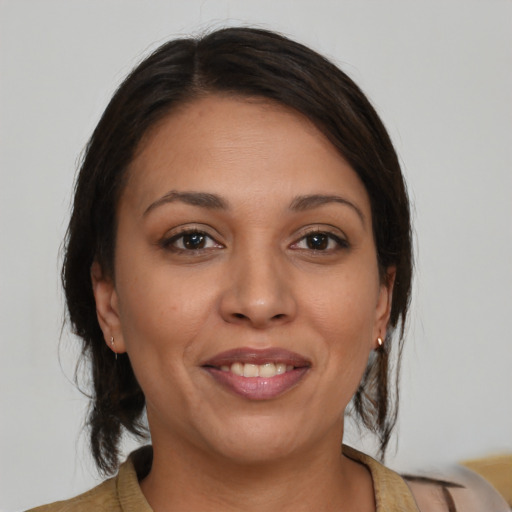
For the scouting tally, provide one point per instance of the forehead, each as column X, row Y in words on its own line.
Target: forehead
column 245, row 145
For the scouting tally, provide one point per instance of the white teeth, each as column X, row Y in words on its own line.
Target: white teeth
column 266, row 370
column 237, row 368
column 251, row 370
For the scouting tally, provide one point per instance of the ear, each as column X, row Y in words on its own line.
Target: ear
column 384, row 303
column 107, row 308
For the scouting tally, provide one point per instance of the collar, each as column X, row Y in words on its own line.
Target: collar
column 391, row 491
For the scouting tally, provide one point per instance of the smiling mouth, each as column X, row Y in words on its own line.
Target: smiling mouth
column 258, row 374
column 267, row 370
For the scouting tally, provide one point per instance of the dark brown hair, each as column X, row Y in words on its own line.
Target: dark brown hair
column 242, row 62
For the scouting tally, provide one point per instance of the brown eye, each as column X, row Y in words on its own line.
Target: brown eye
column 194, row 241
column 317, row 241
column 321, row 242
column 190, row 241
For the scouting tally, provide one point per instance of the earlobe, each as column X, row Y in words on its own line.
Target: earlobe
column 107, row 309
column 384, row 305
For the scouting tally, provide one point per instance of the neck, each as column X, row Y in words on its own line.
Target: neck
column 182, row 478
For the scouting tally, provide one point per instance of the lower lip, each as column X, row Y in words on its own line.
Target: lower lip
column 258, row 388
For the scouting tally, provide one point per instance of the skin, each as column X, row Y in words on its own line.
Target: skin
column 256, row 283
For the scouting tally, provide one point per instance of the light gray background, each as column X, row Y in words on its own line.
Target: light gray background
column 439, row 73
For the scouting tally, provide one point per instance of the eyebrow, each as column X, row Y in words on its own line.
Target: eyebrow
column 309, row 202
column 215, row 202
column 202, row 199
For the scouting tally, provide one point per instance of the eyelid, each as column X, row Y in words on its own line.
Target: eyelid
column 174, row 234
column 333, row 232
column 328, row 229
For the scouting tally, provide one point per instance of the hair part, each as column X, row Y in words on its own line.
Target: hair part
column 242, row 62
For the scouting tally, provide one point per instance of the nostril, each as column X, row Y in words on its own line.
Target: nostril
column 279, row 316
column 239, row 315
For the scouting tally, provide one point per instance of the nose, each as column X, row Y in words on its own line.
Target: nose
column 259, row 293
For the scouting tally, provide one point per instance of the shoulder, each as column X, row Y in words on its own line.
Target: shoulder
column 121, row 492
column 102, row 498
column 457, row 489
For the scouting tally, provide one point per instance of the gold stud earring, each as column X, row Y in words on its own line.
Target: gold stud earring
column 380, row 342
column 112, row 345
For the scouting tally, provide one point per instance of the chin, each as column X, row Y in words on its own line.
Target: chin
column 257, row 441
column 256, row 450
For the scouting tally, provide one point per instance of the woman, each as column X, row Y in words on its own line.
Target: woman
column 239, row 266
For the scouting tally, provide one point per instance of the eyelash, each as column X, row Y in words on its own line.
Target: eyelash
column 341, row 243
column 171, row 242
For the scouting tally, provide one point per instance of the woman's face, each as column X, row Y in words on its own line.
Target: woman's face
column 247, row 292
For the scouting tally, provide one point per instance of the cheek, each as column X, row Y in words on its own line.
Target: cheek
column 345, row 307
column 344, row 315
column 160, row 322
column 160, row 309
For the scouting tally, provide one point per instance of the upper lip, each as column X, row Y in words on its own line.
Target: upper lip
column 257, row 356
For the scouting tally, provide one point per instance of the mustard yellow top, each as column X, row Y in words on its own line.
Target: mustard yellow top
column 122, row 493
